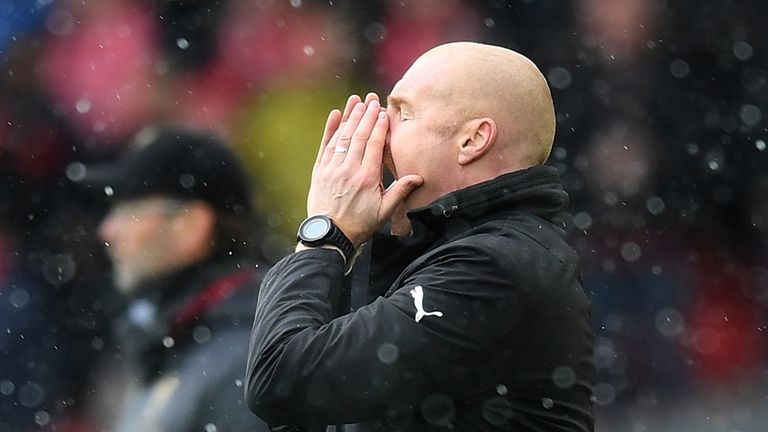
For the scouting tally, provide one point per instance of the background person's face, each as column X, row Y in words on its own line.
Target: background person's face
column 139, row 240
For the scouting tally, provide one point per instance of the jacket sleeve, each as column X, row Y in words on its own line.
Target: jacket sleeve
column 307, row 363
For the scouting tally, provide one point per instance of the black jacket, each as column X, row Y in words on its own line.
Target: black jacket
column 484, row 325
column 185, row 344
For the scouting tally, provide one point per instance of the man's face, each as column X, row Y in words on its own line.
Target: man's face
column 139, row 239
column 421, row 132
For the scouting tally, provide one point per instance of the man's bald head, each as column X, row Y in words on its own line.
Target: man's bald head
column 465, row 113
column 480, row 80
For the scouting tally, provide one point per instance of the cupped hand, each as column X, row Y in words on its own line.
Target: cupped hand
column 347, row 176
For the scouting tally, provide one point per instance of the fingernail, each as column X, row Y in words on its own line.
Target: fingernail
column 382, row 115
column 360, row 107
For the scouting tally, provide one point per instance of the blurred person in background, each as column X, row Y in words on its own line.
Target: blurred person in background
column 480, row 322
column 178, row 232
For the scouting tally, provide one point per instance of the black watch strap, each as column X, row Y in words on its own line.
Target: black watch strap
column 337, row 238
column 333, row 237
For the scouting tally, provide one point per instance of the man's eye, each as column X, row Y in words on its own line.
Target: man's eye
column 403, row 116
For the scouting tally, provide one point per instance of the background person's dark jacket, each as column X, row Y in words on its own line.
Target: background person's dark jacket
column 511, row 351
column 185, row 345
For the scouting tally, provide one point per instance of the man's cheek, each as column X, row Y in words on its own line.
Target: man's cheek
column 389, row 164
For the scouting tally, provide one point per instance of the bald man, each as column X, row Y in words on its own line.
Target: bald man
column 476, row 319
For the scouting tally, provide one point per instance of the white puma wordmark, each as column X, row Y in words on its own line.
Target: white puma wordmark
column 418, row 300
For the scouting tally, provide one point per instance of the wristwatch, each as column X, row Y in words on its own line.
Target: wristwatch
column 320, row 231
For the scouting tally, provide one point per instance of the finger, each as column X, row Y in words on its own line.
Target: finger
column 370, row 97
column 331, row 126
column 374, row 149
column 363, row 133
column 325, row 155
column 352, row 101
column 329, row 149
column 345, row 136
column 397, row 193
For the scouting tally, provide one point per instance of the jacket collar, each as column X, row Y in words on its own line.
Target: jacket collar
column 536, row 190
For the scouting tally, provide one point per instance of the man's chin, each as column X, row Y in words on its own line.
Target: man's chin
column 126, row 283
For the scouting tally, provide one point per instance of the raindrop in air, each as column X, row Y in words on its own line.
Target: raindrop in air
column 7, row 387
column 604, row 394
column 187, row 180
column 60, row 22
column 438, row 409
column 502, row 390
column 630, row 251
column 97, row 343
column 201, row 334
column 19, row 298
column 31, row 395
column 559, row 77
column 547, row 403
column 489, row 22
column 168, row 342
column 210, row 427
column 308, row 50
column 42, row 418
column 108, row 191
column 76, row 171
column 760, row 145
column 582, row 220
column 238, row 382
column 655, row 205
column 182, row 43
column 59, row 269
column 742, row 50
column 296, row 3
column 669, row 322
column 679, row 68
column 754, row 79
column 605, row 356
column 83, row 105
column 387, row 353
column 751, row 115
column 563, row 377
column 376, row 33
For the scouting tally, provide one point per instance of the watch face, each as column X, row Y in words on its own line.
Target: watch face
column 315, row 228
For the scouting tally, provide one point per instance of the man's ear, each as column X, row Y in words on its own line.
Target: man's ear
column 479, row 138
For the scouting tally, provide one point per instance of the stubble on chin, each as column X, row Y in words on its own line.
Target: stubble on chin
column 126, row 282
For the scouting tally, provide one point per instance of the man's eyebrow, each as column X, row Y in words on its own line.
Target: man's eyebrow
column 395, row 101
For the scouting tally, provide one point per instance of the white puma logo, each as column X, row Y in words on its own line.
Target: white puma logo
column 418, row 300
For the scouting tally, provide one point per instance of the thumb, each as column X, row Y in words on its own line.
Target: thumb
column 397, row 192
